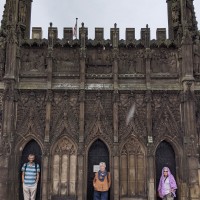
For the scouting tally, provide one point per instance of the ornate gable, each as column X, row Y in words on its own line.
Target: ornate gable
column 65, row 115
column 166, row 115
column 136, row 124
column 31, row 113
column 99, row 122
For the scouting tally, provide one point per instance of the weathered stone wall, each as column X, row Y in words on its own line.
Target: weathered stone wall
column 66, row 94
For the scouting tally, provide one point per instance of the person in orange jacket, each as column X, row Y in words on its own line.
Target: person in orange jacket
column 101, row 183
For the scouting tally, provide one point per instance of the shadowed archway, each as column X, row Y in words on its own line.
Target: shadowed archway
column 31, row 147
column 97, row 153
column 165, row 157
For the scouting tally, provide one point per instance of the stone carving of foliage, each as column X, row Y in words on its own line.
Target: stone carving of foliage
column 65, row 146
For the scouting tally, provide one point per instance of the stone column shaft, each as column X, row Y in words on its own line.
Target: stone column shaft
column 81, row 181
column 49, row 68
column 151, row 180
column 189, row 118
column 44, row 178
column 48, row 120
column 115, row 179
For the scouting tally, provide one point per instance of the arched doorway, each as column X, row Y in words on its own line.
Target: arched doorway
column 165, row 156
column 98, row 152
column 33, row 148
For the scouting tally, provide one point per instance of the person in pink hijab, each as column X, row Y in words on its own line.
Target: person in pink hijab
column 167, row 185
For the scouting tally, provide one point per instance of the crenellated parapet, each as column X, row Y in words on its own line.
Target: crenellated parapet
column 99, row 40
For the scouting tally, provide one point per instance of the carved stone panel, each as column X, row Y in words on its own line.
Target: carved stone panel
column 99, row 62
column 190, row 14
column 22, row 12
column 31, row 110
column 131, row 62
column 166, row 115
column 66, row 60
column 164, row 62
column 33, row 60
column 175, row 9
column 132, row 115
column 65, row 115
column 98, row 117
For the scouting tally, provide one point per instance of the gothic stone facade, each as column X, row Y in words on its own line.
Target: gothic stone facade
column 68, row 100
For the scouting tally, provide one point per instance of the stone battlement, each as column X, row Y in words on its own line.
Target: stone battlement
column 130, row 39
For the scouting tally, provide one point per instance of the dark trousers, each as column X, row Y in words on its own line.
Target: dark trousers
column 100, row 195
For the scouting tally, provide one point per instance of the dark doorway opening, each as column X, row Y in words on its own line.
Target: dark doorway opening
column 165, row 157
column 98, row 152
column 31, row 147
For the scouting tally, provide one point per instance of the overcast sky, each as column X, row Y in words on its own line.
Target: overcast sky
column 101, row 13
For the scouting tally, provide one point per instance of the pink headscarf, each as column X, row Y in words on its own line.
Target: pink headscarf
column 172, row 182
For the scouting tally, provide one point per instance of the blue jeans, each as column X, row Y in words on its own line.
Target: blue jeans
column 100, row 195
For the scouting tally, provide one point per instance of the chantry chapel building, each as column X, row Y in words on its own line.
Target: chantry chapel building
column 67, row 101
